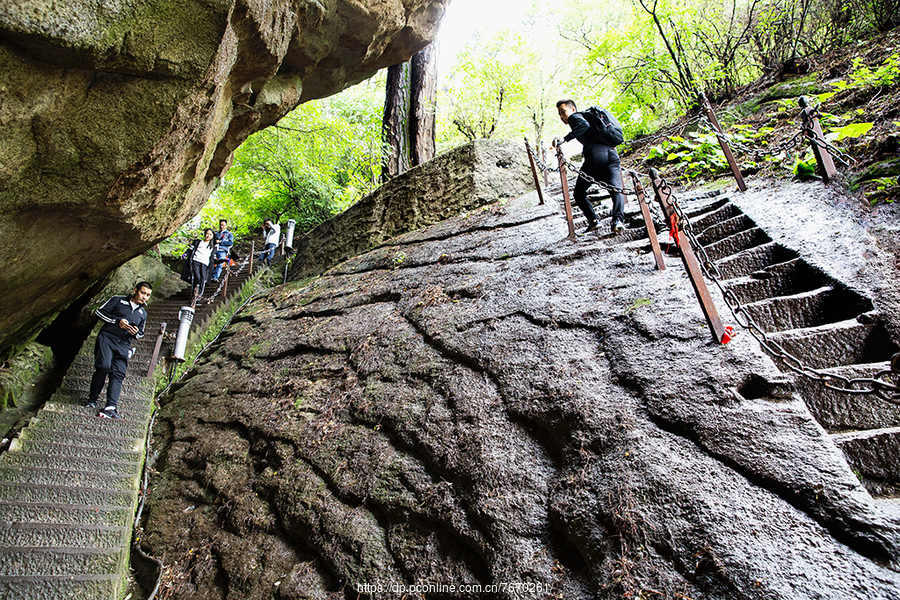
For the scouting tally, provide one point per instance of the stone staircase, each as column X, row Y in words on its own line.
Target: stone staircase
column 820, row 321
column 70, row 482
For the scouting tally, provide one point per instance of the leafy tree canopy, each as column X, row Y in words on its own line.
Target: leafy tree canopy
column 316, row 161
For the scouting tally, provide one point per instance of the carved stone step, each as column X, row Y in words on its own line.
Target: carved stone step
column 840, row 411
column 86, row 421
column 55, row 535
column 77, row 587
column 52, row 448
column 56, row 477
column 723, row 229
column 26, row 561
column 737, row 242
column 19, row 492
column 821, row 306
column 100, row 442
column 873, row 454
column 99, row 464
column 713, row 217
column 753, row 259
column 64, row 514
column 838, row 344
column 782, row 279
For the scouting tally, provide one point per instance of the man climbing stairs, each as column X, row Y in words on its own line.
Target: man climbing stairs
column 70, row 481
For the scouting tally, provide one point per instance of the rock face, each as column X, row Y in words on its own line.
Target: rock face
column 118, row 118
column 463, row 179
column 485, row 403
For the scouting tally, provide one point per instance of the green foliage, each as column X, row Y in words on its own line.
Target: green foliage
column 317, row 160
column 884, row 189
column 486, row 90
column 853, row 130
column 699, row 154
column 863, row 77
column 805, row 168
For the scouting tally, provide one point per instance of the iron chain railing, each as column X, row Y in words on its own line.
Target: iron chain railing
column 225, row 279
column 885, row 384
column 815, row 137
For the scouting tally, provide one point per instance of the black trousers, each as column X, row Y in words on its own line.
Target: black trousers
column 199, row 273
column 601, row 163
column 111, row 354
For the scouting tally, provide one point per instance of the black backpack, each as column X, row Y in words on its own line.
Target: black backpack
column 604, row 126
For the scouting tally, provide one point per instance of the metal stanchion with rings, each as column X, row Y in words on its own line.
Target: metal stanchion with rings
column 565, row 189
column 288, row 247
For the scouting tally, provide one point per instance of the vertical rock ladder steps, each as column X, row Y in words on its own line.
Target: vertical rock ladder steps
column 69, row 483
column 817, row 319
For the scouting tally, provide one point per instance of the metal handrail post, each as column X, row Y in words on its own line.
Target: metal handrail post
column 537, row 183
column 691, row 265
column 565, row 190
column 723, row 142
column 648, row 221
column 823, row 156
column 156, row 348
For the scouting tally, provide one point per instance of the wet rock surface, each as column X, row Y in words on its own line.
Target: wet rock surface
column 483, row 402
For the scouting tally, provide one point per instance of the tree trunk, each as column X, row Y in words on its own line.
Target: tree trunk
column 394, row 131
column 408, row 129
column 423, row 100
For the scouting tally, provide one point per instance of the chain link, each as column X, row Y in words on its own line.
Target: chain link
column 774, row 151
column 885, row 384
column 650, row 139
column 814, row 137
column 230, row 274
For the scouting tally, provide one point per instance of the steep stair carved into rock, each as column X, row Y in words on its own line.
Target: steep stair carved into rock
column 69, row 483
column 820, row 321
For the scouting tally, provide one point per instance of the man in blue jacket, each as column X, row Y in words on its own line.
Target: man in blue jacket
column 125, row 317
column 601, row 163
column 224, row 242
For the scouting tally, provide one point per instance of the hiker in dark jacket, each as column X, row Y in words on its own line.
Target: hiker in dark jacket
column 125, row 317
column 601, row 163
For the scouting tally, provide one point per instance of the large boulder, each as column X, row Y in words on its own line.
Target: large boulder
column 119, row 118
column 486, row 409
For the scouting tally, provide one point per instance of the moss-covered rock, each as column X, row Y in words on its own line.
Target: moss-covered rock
column 807, row 85
column 119, row 118
column 18, row 373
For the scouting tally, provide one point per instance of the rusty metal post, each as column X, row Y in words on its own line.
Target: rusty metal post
column 648, row 221
column 537, row 183
column 544, row 159
column 159, row 340
column 565, row 190
column 811, row 124
column 720, row 135
column 691, row 264
column 252, row 252
column 225, row 283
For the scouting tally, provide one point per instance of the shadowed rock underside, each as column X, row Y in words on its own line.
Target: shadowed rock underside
column 119, row 118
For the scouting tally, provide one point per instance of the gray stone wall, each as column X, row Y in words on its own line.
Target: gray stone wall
column 462, row 179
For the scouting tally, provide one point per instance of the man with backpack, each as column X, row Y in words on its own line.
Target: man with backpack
column 599, row 133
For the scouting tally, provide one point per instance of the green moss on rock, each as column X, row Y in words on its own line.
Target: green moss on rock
column 807, row 85
column 20, row 371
